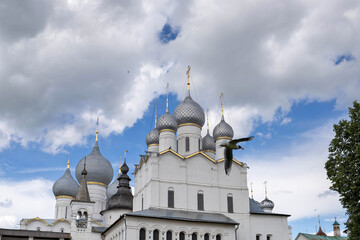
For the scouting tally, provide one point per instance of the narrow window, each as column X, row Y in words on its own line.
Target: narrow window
column 177, row 145
column 258, row 237
column 200, row 200
column 199, row 144
column 171, row 198
column 230, row 203
column 142, row 202
column 218, row 237
column 182, row 236
column 194, row 236
column 65, row 212
column 38, row 228
column 168, row 235
column 142, row 234
column 268, row 237
column 156, row 234
column 187, row 144
column 206, row 236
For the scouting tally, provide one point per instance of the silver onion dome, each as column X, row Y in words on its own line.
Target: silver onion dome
column 267, row 204
column 208, row 143
column 66, row 185
column 223, row 130
column 152, row 137
column 189, row 111
column 167, row 121
column 98, row 168
column 112, row 188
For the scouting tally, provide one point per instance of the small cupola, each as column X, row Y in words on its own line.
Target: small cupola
column 66, row 186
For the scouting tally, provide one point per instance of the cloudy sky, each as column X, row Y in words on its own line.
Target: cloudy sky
column 288, row 71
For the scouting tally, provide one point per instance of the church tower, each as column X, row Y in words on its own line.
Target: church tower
column 99, row 175
column 336, row 228
column 190, row 118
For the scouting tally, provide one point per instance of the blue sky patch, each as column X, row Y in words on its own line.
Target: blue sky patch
column 346, row 57
column 168, row 33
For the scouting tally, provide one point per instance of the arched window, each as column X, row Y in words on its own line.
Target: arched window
column 171, row 198
column 142, row 202
column 230, row 203
column 168, row 235
column 142, row 234
column 187, row 144
column 38, row 228
column 194, row 236
column 218, row 237
column 268, row 237
column 61, row 230
column 182, row 236
column 200, row 200
column 207, row 236
column 85, row 215
column 78, row 216
column 156, row 234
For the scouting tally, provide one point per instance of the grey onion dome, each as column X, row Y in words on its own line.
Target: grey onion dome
column 208, row 143
column 112, row 188
column 267, row 203
column 189, row 111
column 152, row 137
column 223, row 129
column 98, row 168
column 66, row 185
column 167, row 121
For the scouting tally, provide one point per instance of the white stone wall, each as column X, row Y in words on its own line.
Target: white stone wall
column 131, row 230
column 110, row 216
column 62, row 208
column 194, row 134
column 166, row 140
column 97, row 194
column 274, row 226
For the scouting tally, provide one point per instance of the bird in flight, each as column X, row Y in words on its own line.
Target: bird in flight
column 228, row 151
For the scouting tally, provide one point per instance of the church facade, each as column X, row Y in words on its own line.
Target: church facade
column 181, row 191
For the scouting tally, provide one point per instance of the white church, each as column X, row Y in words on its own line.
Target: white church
column 181, row 191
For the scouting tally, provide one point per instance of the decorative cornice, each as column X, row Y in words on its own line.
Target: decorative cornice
column 172, row 151
column 223, row 138
column 234, row 160
column 36, row 219
column 60, row 220
column 97, row 183
column 190, row 124
column 167, row 130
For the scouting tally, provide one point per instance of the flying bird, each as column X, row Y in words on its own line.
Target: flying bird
column 228, row 151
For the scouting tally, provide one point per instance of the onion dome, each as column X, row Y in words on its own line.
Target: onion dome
column 152, row 137
column 66, row 185
column 167, row 121
column 208, row 143
column 99, row 169
column 189, row 111
column 223, row 130
column 267, row 204
column 123, row 198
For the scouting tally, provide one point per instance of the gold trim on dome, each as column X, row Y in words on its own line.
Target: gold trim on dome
column 65, row 196
column 153, row 144
column 60, row 220
column 36, row 219
column 168, row 130
column 223, row 138
column 190, row 124
column 97, row 183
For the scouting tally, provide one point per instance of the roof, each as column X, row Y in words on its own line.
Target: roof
column 184, row 216
column 256, row 209
column 30, row 233
column 315, row 237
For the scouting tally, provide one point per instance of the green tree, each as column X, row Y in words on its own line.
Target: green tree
column 343, row 167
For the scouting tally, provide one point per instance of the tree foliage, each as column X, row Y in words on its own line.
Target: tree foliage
column 343, row 167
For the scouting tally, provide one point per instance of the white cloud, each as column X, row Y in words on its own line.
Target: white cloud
column 297, row 181
column 39, row 199
column 81, row 59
